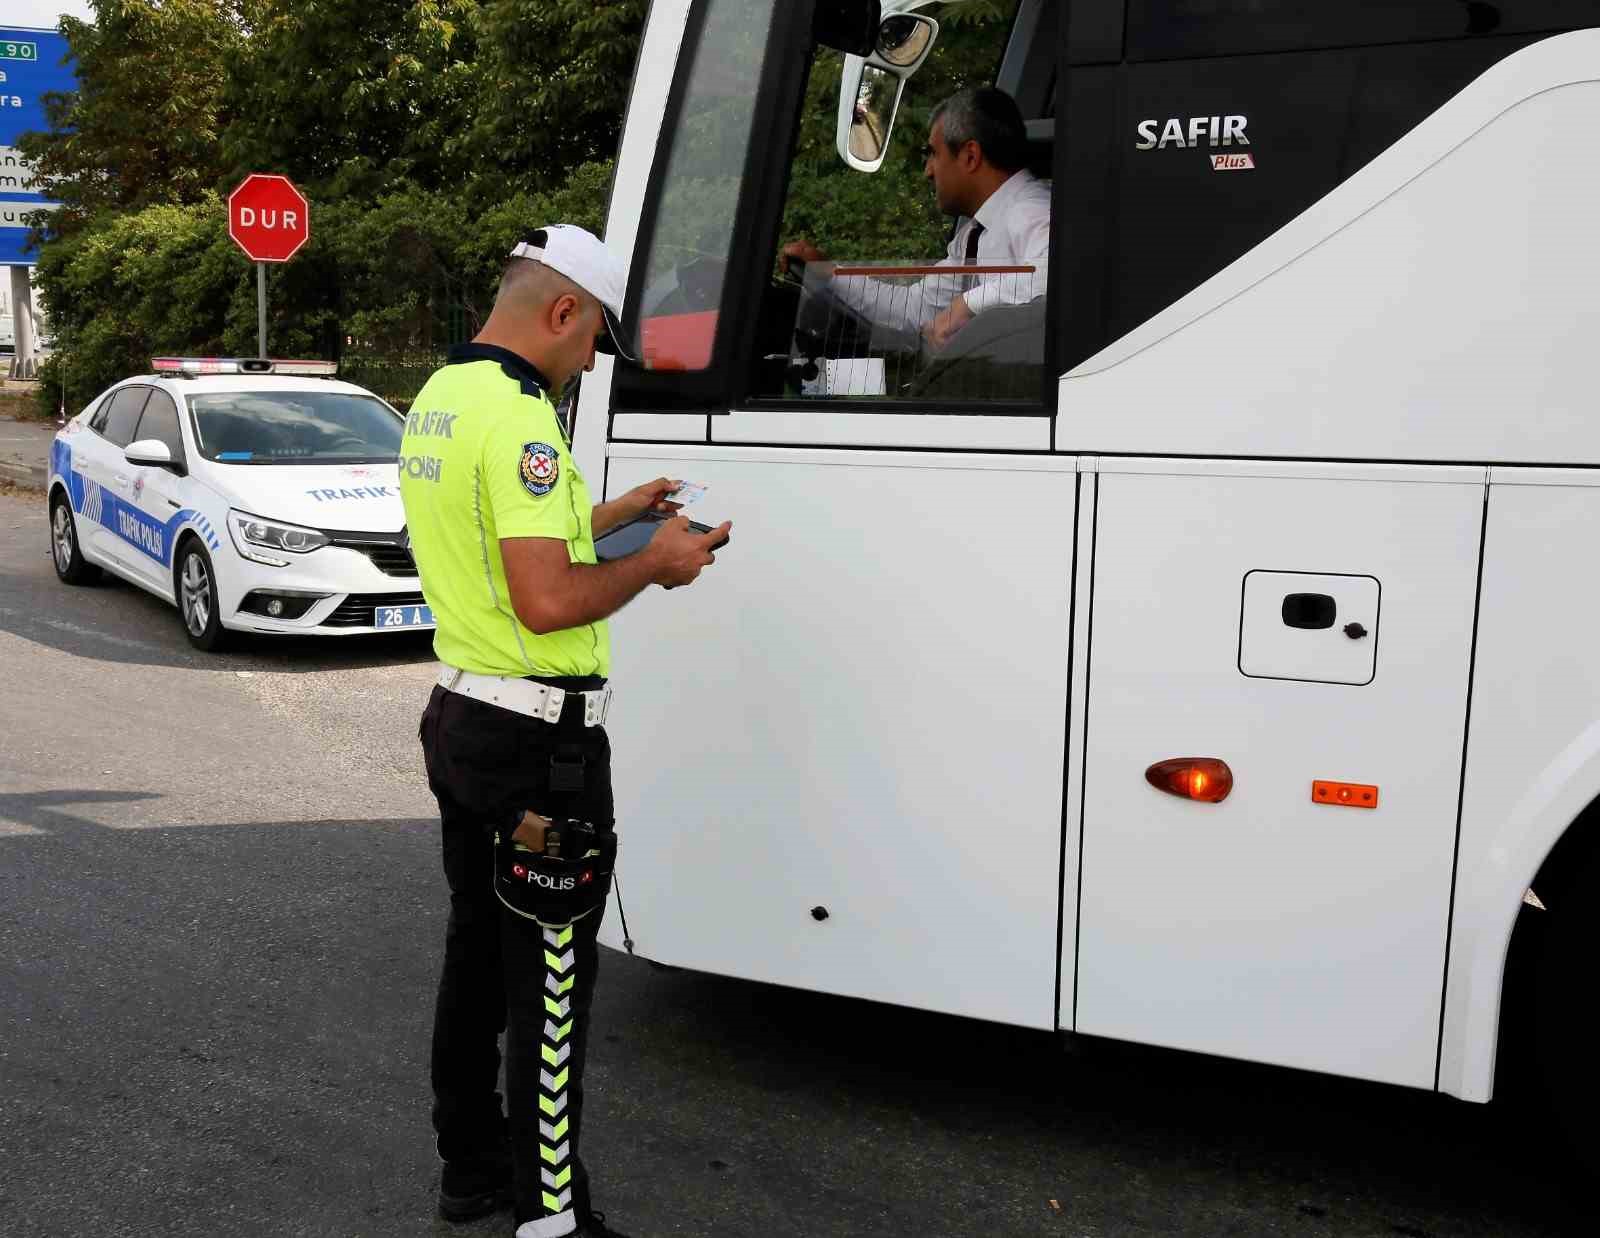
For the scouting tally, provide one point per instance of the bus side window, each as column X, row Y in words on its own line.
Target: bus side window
column 872, row 314
column 1177, row 29
column 1180, row 166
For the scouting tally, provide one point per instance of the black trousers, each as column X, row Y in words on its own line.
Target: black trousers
column 502, row 971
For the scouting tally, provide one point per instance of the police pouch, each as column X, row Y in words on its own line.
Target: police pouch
column 567, row 771
column 567, row 881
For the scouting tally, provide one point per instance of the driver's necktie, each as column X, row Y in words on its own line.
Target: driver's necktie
column 971, row 259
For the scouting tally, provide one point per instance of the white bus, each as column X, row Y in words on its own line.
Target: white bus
column 1290, row 469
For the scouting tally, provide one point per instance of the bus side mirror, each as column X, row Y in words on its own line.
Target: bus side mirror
column 870, row 88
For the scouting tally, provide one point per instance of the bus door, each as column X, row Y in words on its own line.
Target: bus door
column 1310, row 628
column 845, row 742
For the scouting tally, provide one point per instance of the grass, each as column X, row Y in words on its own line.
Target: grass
column 20, row 406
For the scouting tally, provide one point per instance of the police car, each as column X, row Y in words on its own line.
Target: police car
column 254, row 495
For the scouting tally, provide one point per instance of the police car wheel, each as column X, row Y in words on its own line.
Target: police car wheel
column 198, row 604
column 71, row 567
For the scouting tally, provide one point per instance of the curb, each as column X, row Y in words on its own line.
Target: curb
column 31, row 476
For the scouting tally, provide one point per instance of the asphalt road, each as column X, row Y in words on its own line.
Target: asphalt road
column 220, row 910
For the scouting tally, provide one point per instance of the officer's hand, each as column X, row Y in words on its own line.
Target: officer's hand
column 801, row 249
column 652, row 496
column 680, row 554
column 530, row 831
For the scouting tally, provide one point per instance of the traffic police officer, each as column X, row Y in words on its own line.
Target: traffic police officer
column 502, row 528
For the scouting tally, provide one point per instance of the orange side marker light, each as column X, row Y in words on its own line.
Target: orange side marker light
column 1192, row 778
column 1344, row 794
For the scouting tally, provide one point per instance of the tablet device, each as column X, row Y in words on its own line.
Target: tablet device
column 635, row 535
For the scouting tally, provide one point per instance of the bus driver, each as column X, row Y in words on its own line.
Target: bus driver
column 976, row 150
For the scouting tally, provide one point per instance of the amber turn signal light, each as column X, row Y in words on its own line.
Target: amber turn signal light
column 1345, row 794
column 1192, row 778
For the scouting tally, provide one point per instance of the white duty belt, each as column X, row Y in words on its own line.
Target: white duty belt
column 524, row 696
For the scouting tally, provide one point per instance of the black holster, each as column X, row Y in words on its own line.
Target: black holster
column 556, row 891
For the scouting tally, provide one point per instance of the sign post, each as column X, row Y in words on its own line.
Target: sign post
column 270, row 220
column 32, row 64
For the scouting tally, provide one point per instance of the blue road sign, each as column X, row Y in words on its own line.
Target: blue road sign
column 32, row 63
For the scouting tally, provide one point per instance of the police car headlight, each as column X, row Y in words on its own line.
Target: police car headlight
column 263, row 540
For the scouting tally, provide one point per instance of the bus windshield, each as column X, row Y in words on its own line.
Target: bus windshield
column 923, row 279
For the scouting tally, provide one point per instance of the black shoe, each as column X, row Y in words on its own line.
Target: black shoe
column 470, row 1191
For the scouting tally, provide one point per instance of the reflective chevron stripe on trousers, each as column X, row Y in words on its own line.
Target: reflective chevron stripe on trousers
column 544, row 1093
column 555, row 1124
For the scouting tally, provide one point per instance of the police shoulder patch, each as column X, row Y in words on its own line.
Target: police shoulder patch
column 539, row 468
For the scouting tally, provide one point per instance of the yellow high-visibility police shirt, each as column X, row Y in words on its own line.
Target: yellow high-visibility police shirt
column 484, row 457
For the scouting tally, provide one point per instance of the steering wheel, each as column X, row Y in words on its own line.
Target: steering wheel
column 795, row 272
column 828, row 326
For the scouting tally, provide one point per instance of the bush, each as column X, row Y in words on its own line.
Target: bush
column 162, row 280
column 397, row 377
column 168, row 280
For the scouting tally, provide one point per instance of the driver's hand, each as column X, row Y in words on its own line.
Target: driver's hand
column 947, row 323
column 801, row 249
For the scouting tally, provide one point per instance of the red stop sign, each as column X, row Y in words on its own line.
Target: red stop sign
column 268, row 217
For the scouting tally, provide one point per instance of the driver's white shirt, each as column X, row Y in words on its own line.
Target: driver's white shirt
column 1016, row 232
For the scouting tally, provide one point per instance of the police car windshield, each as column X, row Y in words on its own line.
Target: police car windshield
column 294, row 427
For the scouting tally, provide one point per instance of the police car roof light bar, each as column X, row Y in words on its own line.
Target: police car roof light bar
column 189, row 367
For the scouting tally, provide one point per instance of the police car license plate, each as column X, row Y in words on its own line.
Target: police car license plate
column 402, row 617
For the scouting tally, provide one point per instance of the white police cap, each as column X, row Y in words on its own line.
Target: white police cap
column 583, row 258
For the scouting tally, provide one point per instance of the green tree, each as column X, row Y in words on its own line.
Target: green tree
column 552, row 85
column 162, row 279
column 429, row 135
column 351, row 99
column 383, row 274
column 144, row 123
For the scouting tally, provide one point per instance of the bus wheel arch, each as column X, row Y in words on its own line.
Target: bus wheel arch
column 1542, row 1063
